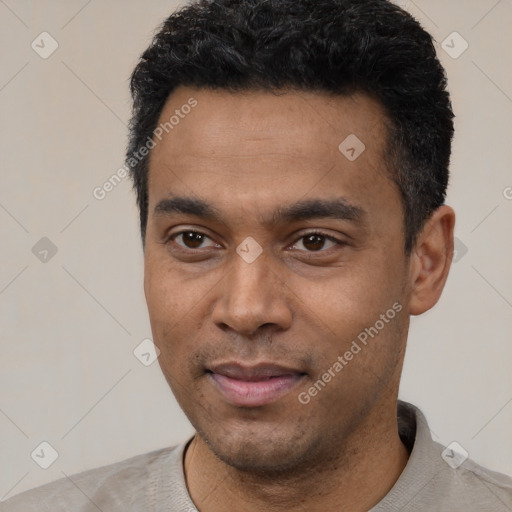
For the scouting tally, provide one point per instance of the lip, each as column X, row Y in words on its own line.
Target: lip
column 254, row 386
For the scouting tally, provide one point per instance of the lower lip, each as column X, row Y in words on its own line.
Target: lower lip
column 255, row 393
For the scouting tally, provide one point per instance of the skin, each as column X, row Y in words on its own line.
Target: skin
column 299, row 304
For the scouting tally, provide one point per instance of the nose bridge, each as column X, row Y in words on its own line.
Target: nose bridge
column 250, row 283
column 252, row 296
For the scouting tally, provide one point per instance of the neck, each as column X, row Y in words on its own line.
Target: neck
column 360, row 472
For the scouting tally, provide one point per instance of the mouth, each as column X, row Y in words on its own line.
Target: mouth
column 254, row 386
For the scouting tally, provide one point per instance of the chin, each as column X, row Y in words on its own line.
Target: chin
column 263, row 452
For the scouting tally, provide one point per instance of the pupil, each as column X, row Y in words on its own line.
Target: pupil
column 317, row 242
column 193, row 239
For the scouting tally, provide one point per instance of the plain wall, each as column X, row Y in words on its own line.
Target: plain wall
column 68, row 326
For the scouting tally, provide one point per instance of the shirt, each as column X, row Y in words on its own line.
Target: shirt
column 435, row 479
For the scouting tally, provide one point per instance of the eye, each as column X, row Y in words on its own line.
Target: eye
column 192, row 239
column 316, row 241
column 311, row 242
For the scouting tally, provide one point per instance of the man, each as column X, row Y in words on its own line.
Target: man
column 290, row 159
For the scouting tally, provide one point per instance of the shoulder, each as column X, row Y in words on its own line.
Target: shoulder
column 114, row 487
column 442, row 478
column 481, row 487
column 468, row 486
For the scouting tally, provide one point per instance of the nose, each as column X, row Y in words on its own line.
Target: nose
column 253, row 295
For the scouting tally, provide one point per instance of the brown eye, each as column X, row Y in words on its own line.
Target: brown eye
column 191, row 239
column 316, row 242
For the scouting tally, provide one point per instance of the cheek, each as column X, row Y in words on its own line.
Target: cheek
column 347, row 310
column 177, row 306
column 168, row 305
column 168, row 296
column 362, row 328
column 169, row 311
column 354, row 294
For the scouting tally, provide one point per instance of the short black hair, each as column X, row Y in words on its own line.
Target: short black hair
column 335, row 46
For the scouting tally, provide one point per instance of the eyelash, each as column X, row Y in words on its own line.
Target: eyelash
column 331, row 238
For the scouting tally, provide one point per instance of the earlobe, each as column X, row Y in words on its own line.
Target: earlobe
column 431, row 260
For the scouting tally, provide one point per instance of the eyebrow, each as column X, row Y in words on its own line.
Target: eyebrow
column 338, row 208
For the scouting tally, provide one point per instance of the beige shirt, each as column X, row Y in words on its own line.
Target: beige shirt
column 155, row 482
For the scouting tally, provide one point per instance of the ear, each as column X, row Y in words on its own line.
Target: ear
column 431, row 259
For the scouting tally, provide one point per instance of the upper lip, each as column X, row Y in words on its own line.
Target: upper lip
column 254, row 372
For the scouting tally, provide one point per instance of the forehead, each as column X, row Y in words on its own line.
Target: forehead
column 298, row 124
column 253, row 150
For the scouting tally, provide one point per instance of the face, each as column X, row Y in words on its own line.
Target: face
column 271, row 255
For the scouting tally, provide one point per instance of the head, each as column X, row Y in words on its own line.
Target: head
column 290, row 159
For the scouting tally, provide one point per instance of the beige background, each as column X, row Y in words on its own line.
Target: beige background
column 69, row 326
